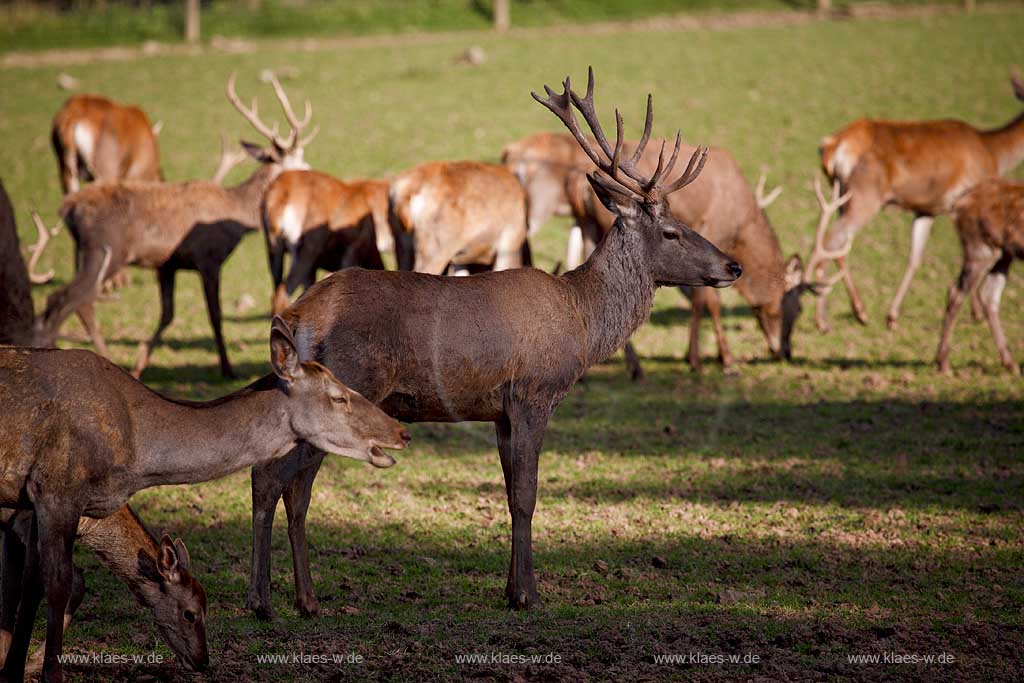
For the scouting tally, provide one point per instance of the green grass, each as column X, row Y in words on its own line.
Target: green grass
column 26, row 26
column 854, row 501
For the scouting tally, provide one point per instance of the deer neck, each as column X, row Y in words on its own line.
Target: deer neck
column 249, row 193
column 1006, row 144
column 615, row 292
column 127, row 548
column 186, row 443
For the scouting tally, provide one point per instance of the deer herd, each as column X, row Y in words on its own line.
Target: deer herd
column 366, row 347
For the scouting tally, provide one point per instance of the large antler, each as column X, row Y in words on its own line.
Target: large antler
column 230, row 156
column 763, row 200
column 821, row 253
column 623, row 171
column 251, row 114
column 36, row 250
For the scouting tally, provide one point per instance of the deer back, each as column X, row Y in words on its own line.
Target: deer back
column 116, row 141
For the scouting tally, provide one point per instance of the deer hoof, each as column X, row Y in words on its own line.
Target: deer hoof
column 1012, row 368
column 945, row 368
column 637, row 374
column 890, row 322
column 308, row 608
column 861, row 317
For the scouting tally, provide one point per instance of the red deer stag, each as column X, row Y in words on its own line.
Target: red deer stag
column 322, row 222
column 721, row 206
column 170, row 227
column 458, row 213
column 81, row 436
column 503, row 347
column 97, row 139
column 158, row 574
column 990, row 222
column 920, row 166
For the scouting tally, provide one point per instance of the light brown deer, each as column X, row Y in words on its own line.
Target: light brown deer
column 169, row 227
column 990, row 222
column 721, row 207
column 502, row 347
column 920, row 166
column 542, row 162
column 158, row 574
column 81, row 436
column 97, row 139
column 459, row 214
column 322, row 222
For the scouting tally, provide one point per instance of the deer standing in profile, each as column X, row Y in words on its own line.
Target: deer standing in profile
column 920, row 166
column 322, row 222
column 503, row 347
column 170, row 227
column 459, row 214
column 990, row 223
column 158, row 574
column 81, row 436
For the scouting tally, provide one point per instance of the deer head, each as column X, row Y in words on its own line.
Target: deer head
column 287, row 151
column 675, row 254
column 328, row 414
column 179, row 604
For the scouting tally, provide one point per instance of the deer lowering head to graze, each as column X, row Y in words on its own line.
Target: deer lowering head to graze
column 322, row 222
column 97, row 139
column 542, row 162
column 920, row 166
column 720, row 206
column 502, row 347
column 80, row 436
column 990, row 222
column 158, row 574
column 169, row 227
column 459, row 214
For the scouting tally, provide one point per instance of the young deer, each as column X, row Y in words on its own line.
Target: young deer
column 97, row 139
column 170, row 227
column 721, row 206
column 158, row 574
column 920, row 166
column 503, row 347
column 322, row 222
column 458, row 213
column 80, row 436
column 990, row 222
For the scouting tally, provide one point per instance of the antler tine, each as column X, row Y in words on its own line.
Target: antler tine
column 36, row 251
column 289, row 113
column 229, row 158
column 642, row 145
column 821, row 253
column 309, row 138
column 764, row 201
column 250, row 114
column 693, row 169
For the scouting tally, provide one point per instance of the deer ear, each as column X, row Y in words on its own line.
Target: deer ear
column 184, row 560
column 257, row 152
column 613, row 199
column 1018, row 84
column 167, row 561
column 794, row 271
column 284, row 356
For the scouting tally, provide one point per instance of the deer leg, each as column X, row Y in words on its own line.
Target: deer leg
column 920, row 229
column 973, row 270
column 34, row 664
column 211, row 291
column 296, row 503
column 57, row 526
column 165, row 279
column 991, row 291
column 697, row 302
column 510, row 249
column 520, row 435
column 31, row 594
column 10, row 588
column 574, row 248
column 275, row 259
column 69, row 298
column 714, row 305
column 636, row 370
column 87, row 315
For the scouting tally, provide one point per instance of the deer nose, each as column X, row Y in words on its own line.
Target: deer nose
column 735, row 268
column 405, row 436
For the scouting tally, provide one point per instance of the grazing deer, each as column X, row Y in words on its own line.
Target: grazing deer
column 920, row 166
column 97, row 139
column 158, row 574
column 990, row 222
column 721, row 206
column 322, row 222
column 503, row 347
column 543, row 162
column 170, row 227
column 81, row 436
column 458, row 213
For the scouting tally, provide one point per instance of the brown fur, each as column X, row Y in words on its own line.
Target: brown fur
column 123, row 142
column 542, row 162
column 15, row 289
column 459, row 213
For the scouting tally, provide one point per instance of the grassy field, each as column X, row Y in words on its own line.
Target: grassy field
column 850, row 502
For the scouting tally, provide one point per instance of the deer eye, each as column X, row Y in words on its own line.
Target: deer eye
column 669, row 234
column 189, row 616
column 340, row 400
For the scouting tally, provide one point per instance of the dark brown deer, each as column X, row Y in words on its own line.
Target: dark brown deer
column 169, row 227
column 97, row 139
column 990, row 222
column 460, row 214
column 158, row 574
column 322, row 222
column 722, row 207
column 80, row 436
column 920, row 166
column 16, row 314
column 503, row 347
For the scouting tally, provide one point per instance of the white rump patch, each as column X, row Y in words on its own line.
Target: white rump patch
column 85, row 140
column 290, row 225
column 843, row 162
column 419, row 207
